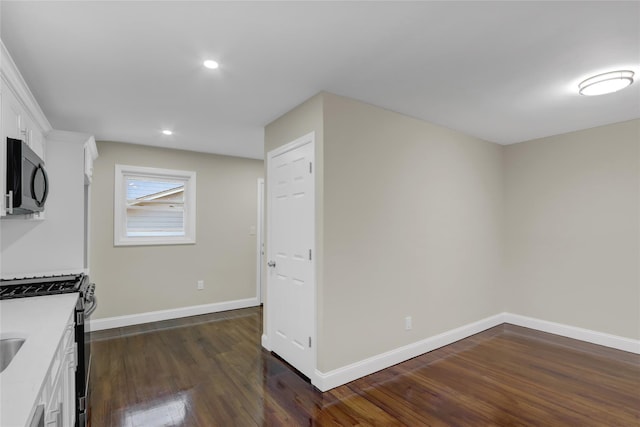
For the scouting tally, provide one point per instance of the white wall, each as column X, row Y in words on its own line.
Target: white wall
column 55, row 244
column 573, row 229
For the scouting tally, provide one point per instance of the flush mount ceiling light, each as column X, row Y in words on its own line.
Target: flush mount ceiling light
column 606, row 83
column 167, row 132
column 211, row 64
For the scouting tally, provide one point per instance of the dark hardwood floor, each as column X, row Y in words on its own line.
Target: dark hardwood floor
column 211, row 371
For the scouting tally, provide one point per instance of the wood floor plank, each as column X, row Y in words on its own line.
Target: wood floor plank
column 210, row 370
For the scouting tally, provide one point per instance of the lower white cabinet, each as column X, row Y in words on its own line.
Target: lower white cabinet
column 54, row 409
column 58, row 391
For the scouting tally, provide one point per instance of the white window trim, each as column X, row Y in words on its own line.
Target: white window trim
column 120, row 237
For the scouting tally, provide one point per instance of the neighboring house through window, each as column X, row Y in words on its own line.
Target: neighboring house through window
column 154, row 206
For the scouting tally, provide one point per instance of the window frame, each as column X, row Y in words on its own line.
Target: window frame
column 120, row 237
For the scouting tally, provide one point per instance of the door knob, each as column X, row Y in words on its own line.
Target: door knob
column 271, row 264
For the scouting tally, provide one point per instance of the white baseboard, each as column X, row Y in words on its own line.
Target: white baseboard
column 174, row 313
column 594, row 337
column 337, row 377
column 265, row 342
column 325, row 381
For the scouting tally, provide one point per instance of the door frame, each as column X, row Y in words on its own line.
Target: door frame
column 260, row 250
column 269, row 329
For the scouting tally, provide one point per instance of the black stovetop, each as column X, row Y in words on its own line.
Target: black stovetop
column 39, row 286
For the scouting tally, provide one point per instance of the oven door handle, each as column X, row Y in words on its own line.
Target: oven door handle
column 92, row 307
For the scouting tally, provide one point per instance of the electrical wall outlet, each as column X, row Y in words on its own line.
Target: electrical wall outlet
column 407, row 323
column 200, row 285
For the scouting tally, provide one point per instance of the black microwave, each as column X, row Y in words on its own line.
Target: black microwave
column 27, row 181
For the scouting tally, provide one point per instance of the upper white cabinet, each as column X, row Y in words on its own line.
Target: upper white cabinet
column 17, row 123
column 11, row 115
column 21, row 117
column 31, row 134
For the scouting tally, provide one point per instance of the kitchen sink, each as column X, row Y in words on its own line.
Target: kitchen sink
column 9, row 347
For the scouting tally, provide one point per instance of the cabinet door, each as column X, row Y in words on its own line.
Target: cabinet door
column 69, row 415
column 12, row 125
column 60, row 409
column 31, row 135
column 54, row 414
column 37, row 143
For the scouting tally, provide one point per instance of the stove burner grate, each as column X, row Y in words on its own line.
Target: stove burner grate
column 39, row 286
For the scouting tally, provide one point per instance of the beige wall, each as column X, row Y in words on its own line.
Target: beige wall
column 401, row 206
column 147, row 278
column 572, row 229
column 413, row 216
column 418, row 220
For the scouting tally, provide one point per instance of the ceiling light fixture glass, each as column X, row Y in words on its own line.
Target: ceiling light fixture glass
column 167, row 132
column 211, row 64
column 606, row 83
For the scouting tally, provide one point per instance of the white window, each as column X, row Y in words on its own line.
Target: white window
column 154, row 206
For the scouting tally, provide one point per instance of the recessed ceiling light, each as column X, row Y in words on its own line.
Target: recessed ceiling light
column 606, row 83
column 211, row 64
column 167, row 132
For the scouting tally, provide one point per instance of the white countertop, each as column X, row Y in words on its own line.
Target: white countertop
column 42, row 321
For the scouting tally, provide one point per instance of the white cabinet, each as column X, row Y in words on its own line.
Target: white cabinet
column 11, row 115
column 17, row 123
column 54, row 409
column 58, row 391
column 32, row 135
column 60, row 409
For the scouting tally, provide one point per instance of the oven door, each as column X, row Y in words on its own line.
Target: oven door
column 87, row 304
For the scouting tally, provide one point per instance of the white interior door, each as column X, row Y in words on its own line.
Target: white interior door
column 290, row 255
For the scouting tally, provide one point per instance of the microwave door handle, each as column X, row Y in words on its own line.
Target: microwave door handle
column 9, row 200
column 46, row 184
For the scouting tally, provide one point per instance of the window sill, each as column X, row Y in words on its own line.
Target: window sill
column 153, row 241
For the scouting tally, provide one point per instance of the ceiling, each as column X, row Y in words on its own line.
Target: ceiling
column 502, row 71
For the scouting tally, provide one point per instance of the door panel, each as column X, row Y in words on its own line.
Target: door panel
column 291, row 287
